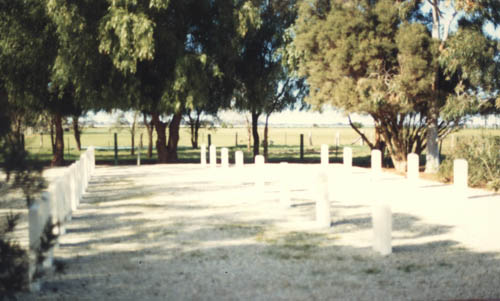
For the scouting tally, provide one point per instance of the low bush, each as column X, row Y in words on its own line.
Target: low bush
column 483, row 156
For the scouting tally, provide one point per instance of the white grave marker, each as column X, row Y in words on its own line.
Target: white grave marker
column 239, row 159
column 324, row 154
column 203, row 155
column 412, row 173
column 259, row 173
column 323, row 218
column 382, row 228
column 213, row 156
column 347, row 158
column 224, row 154
column 376, row 163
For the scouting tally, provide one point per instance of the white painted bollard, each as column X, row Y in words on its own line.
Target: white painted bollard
column 239, row 158
column 259, row 173
column 213, row 156
column 285, row 198
column 224, row 154
column 347, row 157
column 324, row 155
column 412, row 172
column 376, row 163
column 323, row 218
column 460, row 177
column 337, row 139
column 203, row 155
column 382, row 229
column 139, row 157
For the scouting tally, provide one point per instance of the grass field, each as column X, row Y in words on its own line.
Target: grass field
column 284, row 143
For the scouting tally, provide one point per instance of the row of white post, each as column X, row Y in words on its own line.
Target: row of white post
column 381, row 213
column 56, row 205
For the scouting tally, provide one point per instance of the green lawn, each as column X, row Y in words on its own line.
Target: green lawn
column 284, row 144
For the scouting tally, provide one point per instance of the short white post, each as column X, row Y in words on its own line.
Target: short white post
column 285, row 199
column 324, row 154
column 376, row 163
column 310, row 139
column 213, row 156
column 239, row 158
column 337, row 139
column 460, row 176
column 323, row 218
column 347, row 157
column 224, row 154
column 139, row 157
column 259, row 173
column 203, row 155
column 412, row 173
column 382, row 229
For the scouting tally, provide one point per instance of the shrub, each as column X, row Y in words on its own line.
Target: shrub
column 483, row 156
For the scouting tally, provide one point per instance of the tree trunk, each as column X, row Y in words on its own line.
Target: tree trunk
column 132, row 140
column 432, row 155
column 58, row 158
column 161, row 140
column 249, row 133
column 194, row 124
column 173, row 137
column 265, row 142
column 52, row 138
column 399, row 162
column 149, row 127
column 255, row 133
column 76, row 131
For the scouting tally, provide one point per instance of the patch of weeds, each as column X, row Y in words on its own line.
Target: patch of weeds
column 11, row 221
column 339, row 258
column 292, row 245
column 358, row 258
column 60, row 266
column 444, row 264
column 372, row 271
column 250, row 229
column 408, row 268
column 318, row 272
column 196, row 254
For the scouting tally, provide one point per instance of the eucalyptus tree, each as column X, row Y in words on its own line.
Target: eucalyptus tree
column 259, row 69
column 380, row 58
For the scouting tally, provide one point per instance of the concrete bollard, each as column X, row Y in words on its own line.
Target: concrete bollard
column 203, row 155
column 324, row 155
column 213, row 156
column 259, row 173
column 382, row 229
column 285, row 199
column 224, row 154
column 239, row 159
column 376, row 163
column 412, row 169
column 460, row 177
column 323, row 218
column 139, row 157
column 347, row 158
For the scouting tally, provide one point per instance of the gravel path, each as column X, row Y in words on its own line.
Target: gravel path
column 183, row 232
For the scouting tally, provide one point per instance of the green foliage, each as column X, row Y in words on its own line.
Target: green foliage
column 13, row 264
column 483, row 156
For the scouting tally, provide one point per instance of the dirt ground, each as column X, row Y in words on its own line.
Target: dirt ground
column 186, row 232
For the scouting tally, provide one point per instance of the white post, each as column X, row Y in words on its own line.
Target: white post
column 239, row 159
column 203, row 155
column 382, row 228
column 310, row 139
column 324, row 154
column 213, row 156
column 139, row 157
column 224, row 157
column 259, row 173
column 376, row 163
column 285, row 199
column 460, row 176
column 347, row 157
column 323, row 218
column 413, row 165
column 337, row 139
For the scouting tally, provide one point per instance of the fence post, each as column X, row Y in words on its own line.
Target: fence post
column 116, row 149
column 301, row 147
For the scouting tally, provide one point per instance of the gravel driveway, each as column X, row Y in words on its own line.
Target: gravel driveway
column 183, row 232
